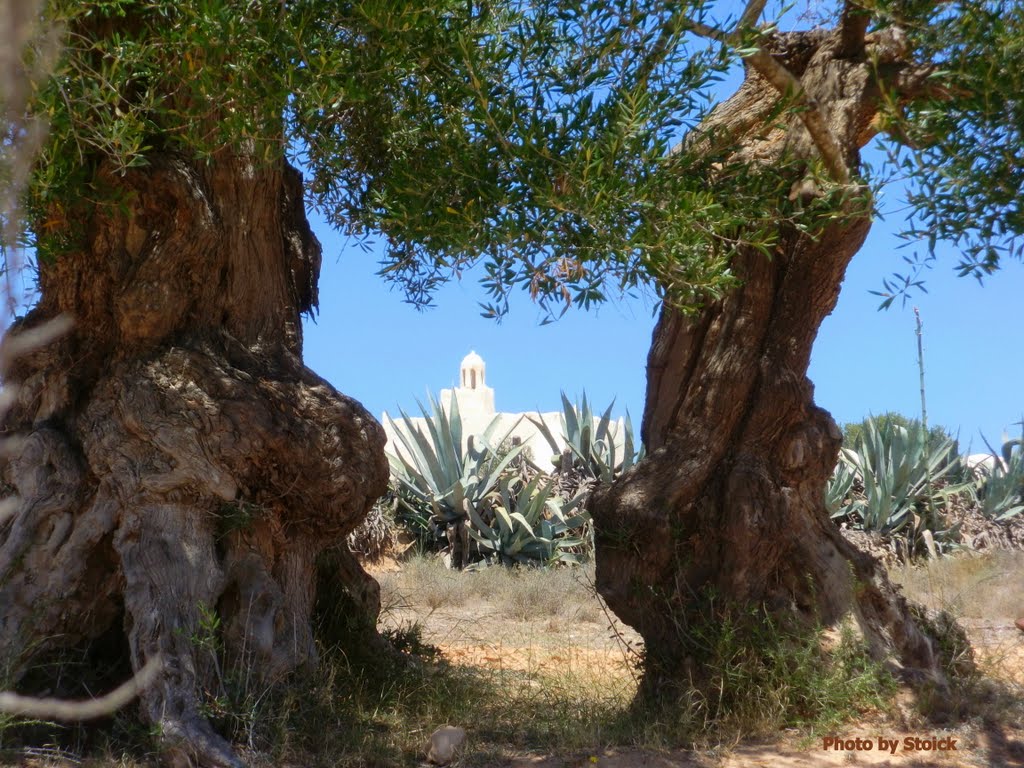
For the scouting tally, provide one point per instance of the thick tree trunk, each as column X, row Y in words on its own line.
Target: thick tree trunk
column 175, row 460
column 727, row 511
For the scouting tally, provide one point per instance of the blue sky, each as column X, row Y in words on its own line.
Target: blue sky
column 383, row 352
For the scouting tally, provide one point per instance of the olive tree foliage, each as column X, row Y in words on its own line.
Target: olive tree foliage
column 963, row 145
column 594, row 176
column 539, row 139
column 533, row 137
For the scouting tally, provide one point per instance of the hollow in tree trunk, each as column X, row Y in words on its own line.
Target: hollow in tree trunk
column 179, row 469
column 727, row 511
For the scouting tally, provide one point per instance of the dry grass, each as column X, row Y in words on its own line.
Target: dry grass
column 549, row 630
column 970, row 585
column 984, row 592
column 425, row 586
column 528, row 664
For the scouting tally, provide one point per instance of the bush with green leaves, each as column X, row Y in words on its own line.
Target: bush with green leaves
column 906, row 480
column 937, row 434
column 597, row 449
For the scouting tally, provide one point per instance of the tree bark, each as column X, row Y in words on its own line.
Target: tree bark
column 178, row 468
column 727, row 511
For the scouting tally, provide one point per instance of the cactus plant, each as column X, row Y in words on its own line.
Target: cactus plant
column 1001, row 491
column 530, row 524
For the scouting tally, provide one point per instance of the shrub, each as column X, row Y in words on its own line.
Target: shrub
column 937, row 434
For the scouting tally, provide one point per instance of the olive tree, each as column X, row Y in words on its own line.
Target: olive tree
column 744, row 224
column 176, row 459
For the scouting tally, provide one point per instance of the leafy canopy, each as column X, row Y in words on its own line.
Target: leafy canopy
column 530, row 136
column 963, row 142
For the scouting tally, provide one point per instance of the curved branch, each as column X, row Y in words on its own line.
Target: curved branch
column 853, row 29
column 57, row 709
column 787, row 84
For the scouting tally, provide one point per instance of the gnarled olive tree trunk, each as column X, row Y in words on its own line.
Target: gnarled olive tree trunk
column 728, row 508
column 174, row 458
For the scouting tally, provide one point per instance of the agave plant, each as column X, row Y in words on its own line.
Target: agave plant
column 838, row 488
column 530, row 524
column 439, row 479
column 902, row 480
column 594, row 448
column 1001, row 491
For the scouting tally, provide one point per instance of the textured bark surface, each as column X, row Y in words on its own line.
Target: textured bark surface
column 173, row 455
column 728, row 508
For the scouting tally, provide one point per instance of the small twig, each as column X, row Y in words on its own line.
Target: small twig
column 15, row 345
column 629, row 653
column 57, row 709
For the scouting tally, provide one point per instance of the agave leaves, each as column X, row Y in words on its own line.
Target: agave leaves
column 595, row 449
column 1001, row 491
column 433, row 468
column 901, row 478
column 531, row 524
column 838, row 488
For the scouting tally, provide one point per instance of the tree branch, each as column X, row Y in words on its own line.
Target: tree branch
column 676, row 24
column 853, row 28
column 56, row 709
column 750, row 15
column 787, row 84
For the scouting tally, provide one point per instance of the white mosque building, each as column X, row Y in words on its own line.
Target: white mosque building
column 476, row 406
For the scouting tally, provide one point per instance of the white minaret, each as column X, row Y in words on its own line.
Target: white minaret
column 476, row 399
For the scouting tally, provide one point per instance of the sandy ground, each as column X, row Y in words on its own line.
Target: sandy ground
column 479, row 635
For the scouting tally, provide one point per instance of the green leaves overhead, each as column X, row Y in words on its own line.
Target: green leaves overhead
column 532, row 138
column 528, row 136
column 962, row 139
column 554, row 164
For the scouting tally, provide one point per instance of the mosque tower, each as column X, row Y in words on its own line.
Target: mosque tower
column 475, row 398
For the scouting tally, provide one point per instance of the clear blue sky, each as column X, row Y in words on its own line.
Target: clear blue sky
column 374, row 347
